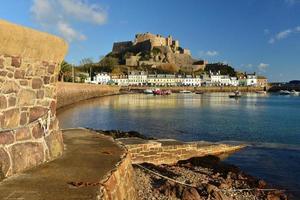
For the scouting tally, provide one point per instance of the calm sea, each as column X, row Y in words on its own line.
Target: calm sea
column 269, row 123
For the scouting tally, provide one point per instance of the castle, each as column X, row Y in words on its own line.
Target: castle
column 154, row 50
column 148, row 41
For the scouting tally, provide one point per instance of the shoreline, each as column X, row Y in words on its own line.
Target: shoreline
column 199, row 177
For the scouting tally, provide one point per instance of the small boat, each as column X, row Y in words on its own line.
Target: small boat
column 236, row 95
column 166, row 92
column 148, row 91
column 261, row 92
column 295, row 93
column 185, row 92
column 157, row 91
column 199, row 92
column 284, row 92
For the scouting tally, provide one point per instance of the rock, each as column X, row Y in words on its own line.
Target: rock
column 216, row 193
column 26, row 97
column 36, row 113
column 23, row 134
column 51, row 69
column 11, row 118
column 12, row 101
column 10, row 87
column 23, row 118
column 19, row 74
column 55, row 144
column 4, row 163
column 16, row 62
column 26, row 155
column 191, row 194
column 36, row 83
column 3, row 102
column 6, row 137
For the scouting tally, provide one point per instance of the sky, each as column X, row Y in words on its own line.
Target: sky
column 250, row 35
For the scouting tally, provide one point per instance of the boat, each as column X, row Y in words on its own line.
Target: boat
column 185, row 92
column 199, row 92
column 261, row 92
column 295, row 93
column 148, row 91
column 166, row 92
column 284, row 92
column 161, row 92
column 156, row 91
column 236, row 95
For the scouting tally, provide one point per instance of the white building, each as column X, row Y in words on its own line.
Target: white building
column 120, row 80
column 161, row 80
column 189, row 80
column 234, row 81
column 220, row 80
column 251, row 80
column 102, row 78
column 137, row 78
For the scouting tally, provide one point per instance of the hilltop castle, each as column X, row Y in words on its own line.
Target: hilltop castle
column 148, row 41
column 154, row 50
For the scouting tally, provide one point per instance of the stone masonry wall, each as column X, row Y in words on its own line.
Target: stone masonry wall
column 156, row 153
column 29, row 66
column 69, row 93
column 120, row 182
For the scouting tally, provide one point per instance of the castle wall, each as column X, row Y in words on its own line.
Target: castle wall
column 121, row 46
column 29, row 67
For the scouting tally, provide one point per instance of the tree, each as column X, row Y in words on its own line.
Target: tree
column 65, row 71
column 223, row 68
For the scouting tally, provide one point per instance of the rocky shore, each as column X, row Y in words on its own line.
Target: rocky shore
column 198, row 178
column 201, row 178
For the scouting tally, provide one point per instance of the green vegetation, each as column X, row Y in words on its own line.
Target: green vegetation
column 223, row 68
column 65, row 73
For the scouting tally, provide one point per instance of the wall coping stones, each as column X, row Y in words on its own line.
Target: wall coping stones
column 28, row 43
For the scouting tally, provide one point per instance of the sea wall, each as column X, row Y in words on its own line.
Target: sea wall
column 69, row 93
column 202, row 89
column 158, row 153
column 29, row 66
column 119, row 184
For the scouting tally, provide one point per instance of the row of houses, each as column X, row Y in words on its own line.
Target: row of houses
column 140, row 78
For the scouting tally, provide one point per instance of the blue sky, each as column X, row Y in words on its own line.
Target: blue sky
column 251, row 35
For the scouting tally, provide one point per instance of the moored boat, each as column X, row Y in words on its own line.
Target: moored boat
column 295, row 93
column 261, row 92
column 185, row 92
column 284, row 92
column 236, row 94
column 148, row 91
column 199, row 92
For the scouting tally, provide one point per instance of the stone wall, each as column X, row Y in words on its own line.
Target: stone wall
column 69, row 93
column 156, row 153
column 120, row 182
column 29, row 66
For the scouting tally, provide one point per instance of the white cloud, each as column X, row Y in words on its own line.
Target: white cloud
column 262, row 67
column 84, row 12
column 69, row 33
column 208, row 53
column 284, row 34
column 58, row 15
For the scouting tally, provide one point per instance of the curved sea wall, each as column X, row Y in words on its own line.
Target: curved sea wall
column 119, row 184
column 69, row 93
column 29, row 66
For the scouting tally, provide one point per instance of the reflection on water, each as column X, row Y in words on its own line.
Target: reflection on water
column 271, row 123
column 215, row 117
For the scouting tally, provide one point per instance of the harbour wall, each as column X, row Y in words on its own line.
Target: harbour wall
column 29, row 67
column 170, row 152
column 200, row 89
column 69, row 93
